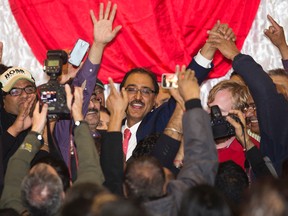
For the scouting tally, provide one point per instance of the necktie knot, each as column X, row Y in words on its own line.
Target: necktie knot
column 127, row 135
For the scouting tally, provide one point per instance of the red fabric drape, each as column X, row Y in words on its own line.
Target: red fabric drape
column 156, row 34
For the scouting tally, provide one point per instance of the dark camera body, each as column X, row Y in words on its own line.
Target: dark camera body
column 53, row 93
column 220, row 127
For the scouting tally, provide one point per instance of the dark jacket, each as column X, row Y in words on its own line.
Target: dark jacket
column 272, row 109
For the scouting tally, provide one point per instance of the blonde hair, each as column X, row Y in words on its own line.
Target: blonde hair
column 240, row 93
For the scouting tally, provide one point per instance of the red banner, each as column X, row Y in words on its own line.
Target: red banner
column 156, row 34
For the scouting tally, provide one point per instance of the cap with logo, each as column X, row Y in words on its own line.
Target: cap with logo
column 99, row 83
column 12, row 75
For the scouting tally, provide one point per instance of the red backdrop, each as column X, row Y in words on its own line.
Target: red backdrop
column 157, row 34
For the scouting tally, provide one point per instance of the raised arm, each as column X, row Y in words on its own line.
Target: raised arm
column 111, row 147
column 201, row 160
column 89, row 169
column 276, row 34
column 271, row 106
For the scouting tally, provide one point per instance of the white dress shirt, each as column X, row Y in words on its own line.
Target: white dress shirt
column 133, row 140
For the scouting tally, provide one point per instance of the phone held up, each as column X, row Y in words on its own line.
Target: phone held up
column 78, row 52
column 169, row 80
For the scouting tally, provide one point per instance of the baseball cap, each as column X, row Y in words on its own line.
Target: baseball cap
column 99, row 83
column 12, row 75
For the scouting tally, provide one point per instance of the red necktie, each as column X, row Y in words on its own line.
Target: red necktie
column 127, row 135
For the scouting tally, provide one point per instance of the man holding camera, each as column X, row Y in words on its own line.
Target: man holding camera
column 229, row 95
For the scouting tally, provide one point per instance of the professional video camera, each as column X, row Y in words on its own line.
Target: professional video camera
column 220, row 127
column 53, row 93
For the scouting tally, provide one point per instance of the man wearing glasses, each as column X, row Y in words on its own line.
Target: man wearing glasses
column 19, row 93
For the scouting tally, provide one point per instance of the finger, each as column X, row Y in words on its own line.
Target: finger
column 101, row 9
column 69, row 96
column 93, row 18
column 124, row 95
column 36, row 110
column 229, row 34
column 116, row 30
column 239, row 114
column 113, row 12
column 44, row 109
column 30, row 102
column 216, row 34
column 272, row 29
column 107, row 11
column 273, row 22
column 234, row 123
column 216, row 26
column 223, row 28
column 113, row 89
column 215, row 41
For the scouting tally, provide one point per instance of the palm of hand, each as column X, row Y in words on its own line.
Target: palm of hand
column 103, row 31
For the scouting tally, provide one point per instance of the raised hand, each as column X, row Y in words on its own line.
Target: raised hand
column 240, row 129
column 75, row 101
column 222, row 29
column 23, row 120
column 188, row 84
column 227, row 47
column 117, row 104
column 276, row 34
column 103, row 31
column 39, row 117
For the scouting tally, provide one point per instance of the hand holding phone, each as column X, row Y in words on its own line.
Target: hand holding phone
column 78, row 52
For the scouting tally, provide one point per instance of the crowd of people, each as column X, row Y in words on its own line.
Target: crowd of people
column 145, row 150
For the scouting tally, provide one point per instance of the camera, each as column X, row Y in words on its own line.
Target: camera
column 53, row 93
column 220, row 127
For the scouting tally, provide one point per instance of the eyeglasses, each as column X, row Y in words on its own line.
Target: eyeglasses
column 18, row 91
column 144, row 91
column 95, row 99
column 249, row 107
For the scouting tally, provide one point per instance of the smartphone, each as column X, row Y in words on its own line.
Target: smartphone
column 78, row 52
column 169, row 80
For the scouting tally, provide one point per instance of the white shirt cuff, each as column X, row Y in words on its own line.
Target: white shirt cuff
column 202, row 61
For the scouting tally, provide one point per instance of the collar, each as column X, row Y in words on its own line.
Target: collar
column 225, row 144
column 132, row 129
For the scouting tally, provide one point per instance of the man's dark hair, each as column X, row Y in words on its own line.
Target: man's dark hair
column 232, row 181
column 42, row 191
column 142, row 71
column 4, row 68
column 86, row 199
column 204, row 200
column 122, row 208
column 278, row 72
column 144, row 179
column 59, row 165
column 268, row 196
column 145, row 146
